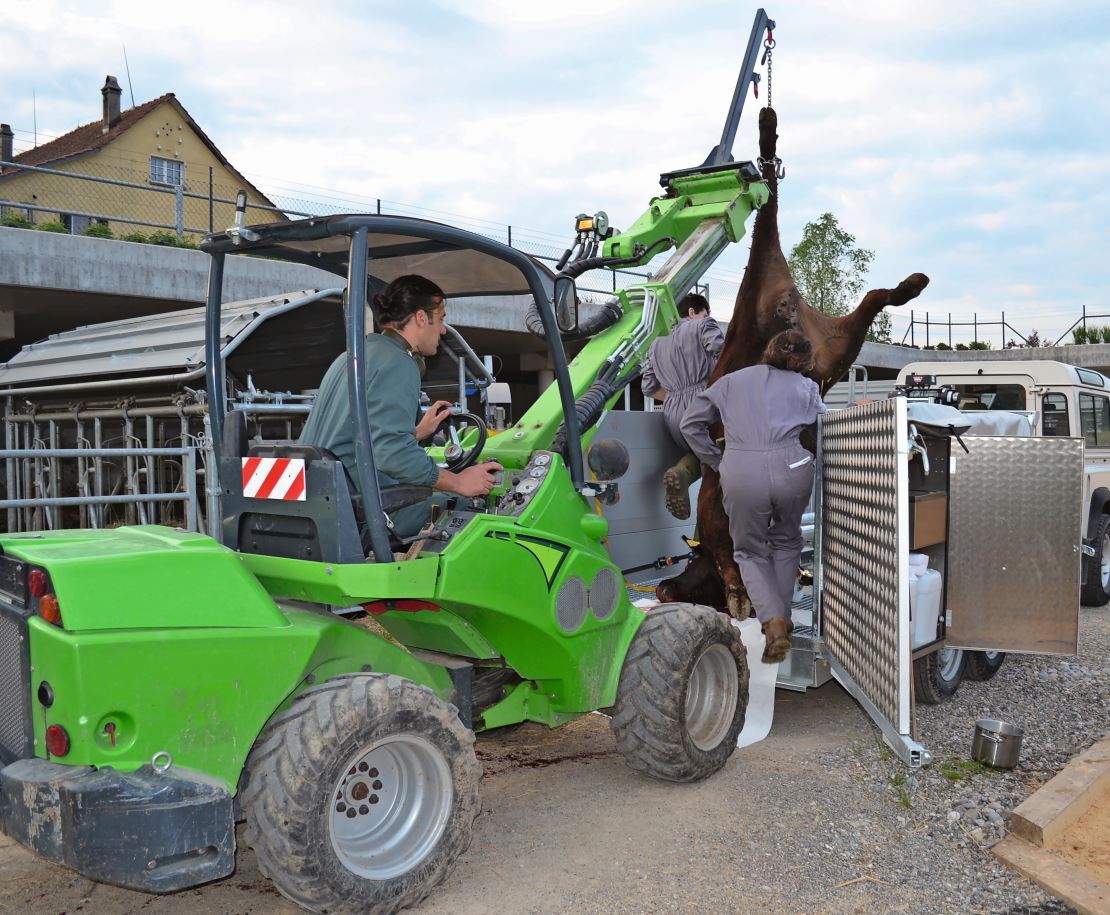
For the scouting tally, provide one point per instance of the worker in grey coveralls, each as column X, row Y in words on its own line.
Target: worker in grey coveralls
column 766, row 474
column 676, row 369
column 411, row 312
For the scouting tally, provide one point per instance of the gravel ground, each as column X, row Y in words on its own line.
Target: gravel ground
column 818, row 819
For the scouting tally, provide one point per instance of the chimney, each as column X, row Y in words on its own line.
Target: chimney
column 111, row 93
column 6, row 137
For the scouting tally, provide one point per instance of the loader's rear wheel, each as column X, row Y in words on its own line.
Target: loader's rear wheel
column 683, row 693
column 362, row 795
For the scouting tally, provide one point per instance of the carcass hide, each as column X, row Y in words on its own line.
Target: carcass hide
column 769, row 302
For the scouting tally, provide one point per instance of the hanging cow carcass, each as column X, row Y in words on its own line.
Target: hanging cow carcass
column 769, row 302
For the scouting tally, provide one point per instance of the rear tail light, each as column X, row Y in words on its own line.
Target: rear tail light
column 57, row 740
column 37, row 582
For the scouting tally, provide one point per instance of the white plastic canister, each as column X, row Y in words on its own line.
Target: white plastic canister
column 925, row 595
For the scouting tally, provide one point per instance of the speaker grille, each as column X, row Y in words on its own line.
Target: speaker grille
column 570, row 605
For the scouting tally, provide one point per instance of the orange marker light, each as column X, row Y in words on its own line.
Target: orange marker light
column 49, row 609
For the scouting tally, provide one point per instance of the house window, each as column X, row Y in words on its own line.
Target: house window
column 166, row 171
column 1054, row 418
column 1094, row 420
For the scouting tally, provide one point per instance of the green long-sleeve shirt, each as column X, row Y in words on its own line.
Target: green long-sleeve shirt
column 393, row 405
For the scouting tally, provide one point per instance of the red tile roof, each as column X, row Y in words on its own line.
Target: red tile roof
column 88, row 137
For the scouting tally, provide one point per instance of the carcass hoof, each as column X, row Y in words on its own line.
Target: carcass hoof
column 739, row 607
column 677, row 497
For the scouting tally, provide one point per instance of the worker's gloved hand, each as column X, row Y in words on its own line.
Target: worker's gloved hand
column 477, row 480
column 431, row 420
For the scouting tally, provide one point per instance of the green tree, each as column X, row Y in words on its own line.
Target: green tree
column 830, row 270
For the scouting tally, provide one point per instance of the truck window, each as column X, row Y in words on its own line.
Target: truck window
column 1094, row 420
column 1054, row 419
column 991, row 397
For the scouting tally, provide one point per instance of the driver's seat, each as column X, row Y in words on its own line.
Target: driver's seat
column 296, row 501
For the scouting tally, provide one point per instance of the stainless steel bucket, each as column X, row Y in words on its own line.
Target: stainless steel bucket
column 996, row 743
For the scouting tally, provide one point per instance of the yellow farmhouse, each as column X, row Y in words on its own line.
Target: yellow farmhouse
column 140, row 156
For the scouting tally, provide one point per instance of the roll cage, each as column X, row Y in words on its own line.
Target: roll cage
column 375, row 250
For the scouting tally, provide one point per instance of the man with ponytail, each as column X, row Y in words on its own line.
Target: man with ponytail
column 411, row 312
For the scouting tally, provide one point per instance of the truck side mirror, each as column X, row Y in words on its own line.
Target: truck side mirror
column 566, row 303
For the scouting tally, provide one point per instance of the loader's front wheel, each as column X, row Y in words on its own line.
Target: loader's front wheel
column 362, row 795
column 683, row 693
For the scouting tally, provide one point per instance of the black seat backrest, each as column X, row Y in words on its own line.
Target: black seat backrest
column 288, row 499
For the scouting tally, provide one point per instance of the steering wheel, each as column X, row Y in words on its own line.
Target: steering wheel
column 455, row 427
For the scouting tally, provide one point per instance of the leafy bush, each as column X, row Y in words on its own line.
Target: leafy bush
column 962, row 347
column 15, row 221
column 137, row 237
column 943, row 345
column 163, row 238
column 1105, row 333
column 1079, row 334
column 98, row 230
column 52, row 226
column 979, row 344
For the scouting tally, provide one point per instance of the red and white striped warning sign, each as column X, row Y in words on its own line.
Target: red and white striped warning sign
column 273, row 478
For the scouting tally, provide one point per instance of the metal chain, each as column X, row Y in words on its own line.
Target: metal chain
column 768, row 47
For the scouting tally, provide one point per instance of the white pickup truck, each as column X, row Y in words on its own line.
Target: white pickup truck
column 1067, row 401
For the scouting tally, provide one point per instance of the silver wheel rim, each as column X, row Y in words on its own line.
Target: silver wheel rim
column 711, row 697
column 950, row 662
column 1105, row 569
column 400, row 791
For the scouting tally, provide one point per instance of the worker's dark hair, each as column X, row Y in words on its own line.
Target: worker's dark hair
column 405, row 296
column 789, row 350
column 692, row 300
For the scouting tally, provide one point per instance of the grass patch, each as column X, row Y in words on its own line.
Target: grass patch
column 904, row 798
column 958, row 769
column 885, row 752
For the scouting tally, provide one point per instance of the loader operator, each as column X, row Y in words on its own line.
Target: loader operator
column 411, row 312
column 675, row 371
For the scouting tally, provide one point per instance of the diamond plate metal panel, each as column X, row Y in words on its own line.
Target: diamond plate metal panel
column 862, row 574
column 15, row 712
column 1014, row 544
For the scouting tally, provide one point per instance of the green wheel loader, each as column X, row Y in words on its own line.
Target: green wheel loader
column 156, row 685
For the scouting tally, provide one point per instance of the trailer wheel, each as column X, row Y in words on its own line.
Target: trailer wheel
column 1096, row 583
column 982, row 665
column 937, row 676
column 683, row 694
column 362, row 795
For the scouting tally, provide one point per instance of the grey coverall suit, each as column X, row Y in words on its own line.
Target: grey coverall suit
column 766, row 474
column 680, row 364
column 393, row 405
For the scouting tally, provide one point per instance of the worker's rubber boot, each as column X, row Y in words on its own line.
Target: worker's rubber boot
column 677, row 481
column 777, row 632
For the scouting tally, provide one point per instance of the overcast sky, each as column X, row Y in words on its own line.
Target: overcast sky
column 969, row 141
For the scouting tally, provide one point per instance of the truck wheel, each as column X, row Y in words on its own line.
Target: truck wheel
column 982, row 665
column 937, row 676
column 1096, row 583
column 362, row 795
column 683, row 693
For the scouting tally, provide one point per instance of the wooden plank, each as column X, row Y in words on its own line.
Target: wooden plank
column 1043, row 817
column 1059, row 877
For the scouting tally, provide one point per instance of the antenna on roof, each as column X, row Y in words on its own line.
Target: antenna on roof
column 127, row 67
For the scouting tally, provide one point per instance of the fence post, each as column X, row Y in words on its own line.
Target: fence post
column 912, row 322
column 975, row 331
column 950, row 330
column 211, row 202
column 926, row 330
column 179, row 210
column 379, row 206
column 1084, row 322
column 510, row 236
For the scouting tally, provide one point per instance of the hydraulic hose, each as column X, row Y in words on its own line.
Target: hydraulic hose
column 588, row 408
column 610, row 313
